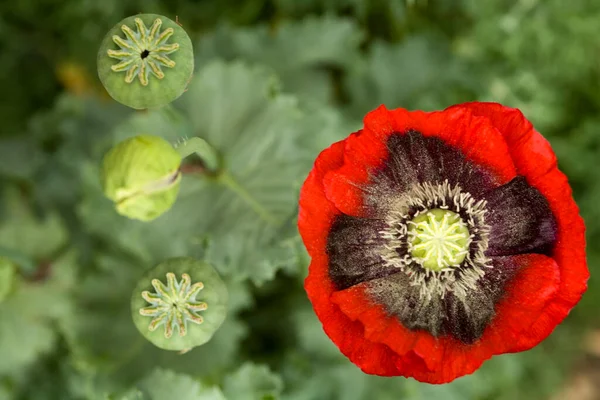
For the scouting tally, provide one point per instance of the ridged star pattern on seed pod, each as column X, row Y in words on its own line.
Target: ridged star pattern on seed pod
column 173, row 305
column 145, row 61
column 179, row 313
column 439, row 239
column 143, row 52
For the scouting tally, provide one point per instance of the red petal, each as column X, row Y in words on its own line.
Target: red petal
column 315, row 218
column 569, row 254
column 569, row 251
column 375, row 327
column 479, row 141
column 527, row 298
column 316, row 212
column 420, row 355
column 530, row 151
column 348, row 335
column 527, row 303
column 344, row 186
column 536, row 161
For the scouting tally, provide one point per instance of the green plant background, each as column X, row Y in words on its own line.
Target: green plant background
column 276, row 81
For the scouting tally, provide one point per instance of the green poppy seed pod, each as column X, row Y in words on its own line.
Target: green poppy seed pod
column 145, row 61
column 179, row 304
column 141, row 175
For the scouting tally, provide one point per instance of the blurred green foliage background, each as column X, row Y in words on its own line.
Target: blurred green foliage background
column 276, row 81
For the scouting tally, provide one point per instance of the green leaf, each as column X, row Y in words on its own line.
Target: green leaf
column 238, row 111
column 240, row 220
column 310, row 42
column 207, row 360
column 306, row 380
column 133, row 394
column 298, row 51
column 253, row 382
column 166, row 385
column 100, row 332
column 7, row 277
column 542, row 104
column 243, row 220
column 73, row 131
column 165, row 122
column 6, row 393
column 23, row 233
column 311, row 337
column 19, row 157
column 323, row 126
column 28, row 317
column 419, row 73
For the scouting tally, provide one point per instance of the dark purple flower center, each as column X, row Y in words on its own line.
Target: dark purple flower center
column 411, row 251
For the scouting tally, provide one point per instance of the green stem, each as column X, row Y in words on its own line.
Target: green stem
column 195, row 145
column 226, row 179
column 199, row 146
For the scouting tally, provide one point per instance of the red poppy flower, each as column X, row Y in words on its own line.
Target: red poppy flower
column 440, row 239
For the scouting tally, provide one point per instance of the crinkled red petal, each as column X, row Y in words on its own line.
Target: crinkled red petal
column 479, row 141
column 530, row 151
column 315, row 218
column 316, row 213
column 569, row 254
column 536, row 161
column 344, row 186
column 445, row 358
column 526, row 299
column 348, row 335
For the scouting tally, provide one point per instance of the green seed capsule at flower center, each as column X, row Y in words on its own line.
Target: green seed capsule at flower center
column 438, row 239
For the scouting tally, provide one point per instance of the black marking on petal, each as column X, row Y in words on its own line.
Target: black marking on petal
column 463, row 317
column 415, row 159
column 466, row 318
column 520, row 220
column 352, row 249
column 402, row 300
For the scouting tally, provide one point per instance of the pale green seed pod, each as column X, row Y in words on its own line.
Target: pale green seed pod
column 141, row 176
column 145, row 61
column 179, row 304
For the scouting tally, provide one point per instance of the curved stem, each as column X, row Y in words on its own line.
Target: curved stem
column 195, row 145
column 199, row 146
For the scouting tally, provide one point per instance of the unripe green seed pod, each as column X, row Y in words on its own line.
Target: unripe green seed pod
column 146, row 60
column 179, row 304
column 141, row 175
